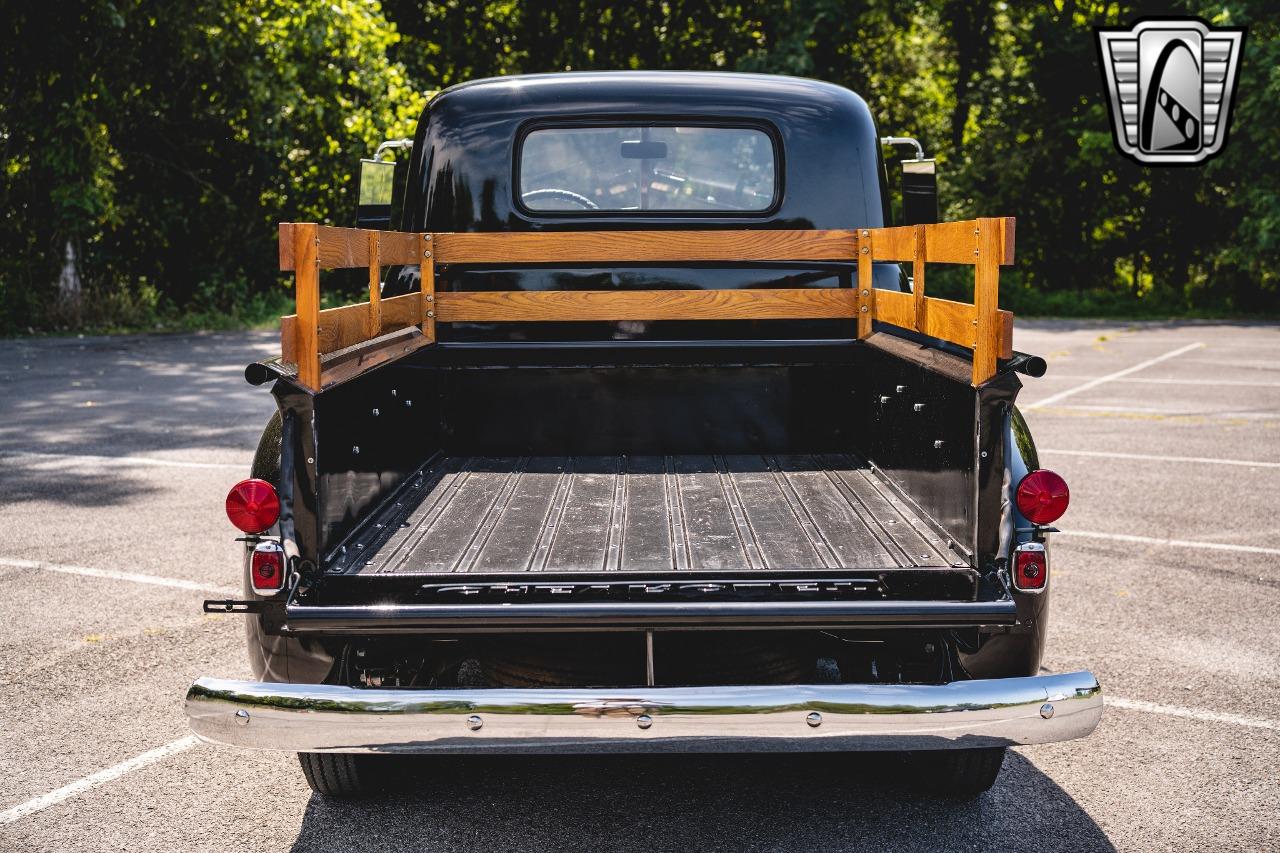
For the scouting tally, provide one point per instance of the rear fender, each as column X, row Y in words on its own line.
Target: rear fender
column 273, row 656
column 1016, row 653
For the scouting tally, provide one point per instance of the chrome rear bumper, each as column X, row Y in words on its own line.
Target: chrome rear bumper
column 781, row 718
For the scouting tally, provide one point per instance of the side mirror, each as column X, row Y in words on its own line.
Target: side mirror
column 373, row 207
column 919, row 184
column 919, row 192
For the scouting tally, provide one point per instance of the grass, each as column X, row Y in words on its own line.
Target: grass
column 214, row 307
column 1072, row 305
column 1096, row 303
column 235, row 307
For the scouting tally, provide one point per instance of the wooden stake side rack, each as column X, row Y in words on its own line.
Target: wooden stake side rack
column 373, row 332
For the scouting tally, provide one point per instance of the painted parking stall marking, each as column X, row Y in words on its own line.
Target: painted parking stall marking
column 1157, row 412
column 1110, row 377
column 1173, row 543
column 183, row 744
column 119, row 461
column 1133, row 718
column 112, row 574
column 93, row 780
column 1193, row 713
column 1212, row 383
column 1145, row 457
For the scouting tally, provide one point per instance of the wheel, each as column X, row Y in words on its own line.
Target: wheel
column 266, row 459
column 339, row 774
column 956, row 773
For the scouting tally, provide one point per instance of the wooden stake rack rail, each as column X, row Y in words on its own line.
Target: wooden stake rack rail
column 374, row 331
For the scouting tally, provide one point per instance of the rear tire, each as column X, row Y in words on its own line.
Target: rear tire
column 266, row 459
column 960, row 774
column 338, row 774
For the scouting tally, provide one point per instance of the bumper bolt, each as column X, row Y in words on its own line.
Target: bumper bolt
column 1046, row 710
column 475, row 723
column 242, row 717
column 644, row 721
column 814, row 719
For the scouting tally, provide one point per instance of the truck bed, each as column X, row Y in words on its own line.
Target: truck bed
column 645, row 514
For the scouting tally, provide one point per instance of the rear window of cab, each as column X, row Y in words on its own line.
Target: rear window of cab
column 652, row 168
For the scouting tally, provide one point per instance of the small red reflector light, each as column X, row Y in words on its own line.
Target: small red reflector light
column 266, row 568
column 252, row 505
column 1030, row 567
column 1043, row 497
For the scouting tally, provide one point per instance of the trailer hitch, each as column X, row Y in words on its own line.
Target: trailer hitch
column 227, row 605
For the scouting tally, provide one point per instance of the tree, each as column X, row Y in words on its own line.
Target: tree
column 157, row 144
column 164, row 143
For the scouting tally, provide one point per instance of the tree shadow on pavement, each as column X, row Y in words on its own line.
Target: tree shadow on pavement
column 54, row 481
column 77, row 409
column 653, row 803
column 132, row 394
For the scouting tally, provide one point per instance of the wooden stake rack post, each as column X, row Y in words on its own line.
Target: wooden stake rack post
column 374, row 332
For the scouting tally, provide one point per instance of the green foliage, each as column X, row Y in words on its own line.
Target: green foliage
column 163, row 141
column 1164, row 240
column 160, row 142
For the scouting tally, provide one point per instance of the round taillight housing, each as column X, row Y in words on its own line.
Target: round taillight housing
column 1043, row 496
column 253, row 506
column 267, row 568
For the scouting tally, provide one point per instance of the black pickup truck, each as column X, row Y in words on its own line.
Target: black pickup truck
column 646, row 439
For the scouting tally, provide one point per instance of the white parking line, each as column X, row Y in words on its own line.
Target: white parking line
column 1176, row 543
column 1234, row 364
column 1216, row 414
column 1209, row 460
column 110, row 574
column 1094, row 383
column 149, row 757
column 1192, row 713
column 123, row 461
column 1213, row 382
column 83, row 784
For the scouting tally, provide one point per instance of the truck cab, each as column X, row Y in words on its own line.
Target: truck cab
column 648, row 438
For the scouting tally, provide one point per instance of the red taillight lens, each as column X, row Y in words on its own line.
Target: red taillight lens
column 1030, row 567
column 252, row 505
column 266, row 568
column 1043, row 497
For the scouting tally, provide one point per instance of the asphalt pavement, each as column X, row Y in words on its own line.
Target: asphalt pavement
column 115, row 456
